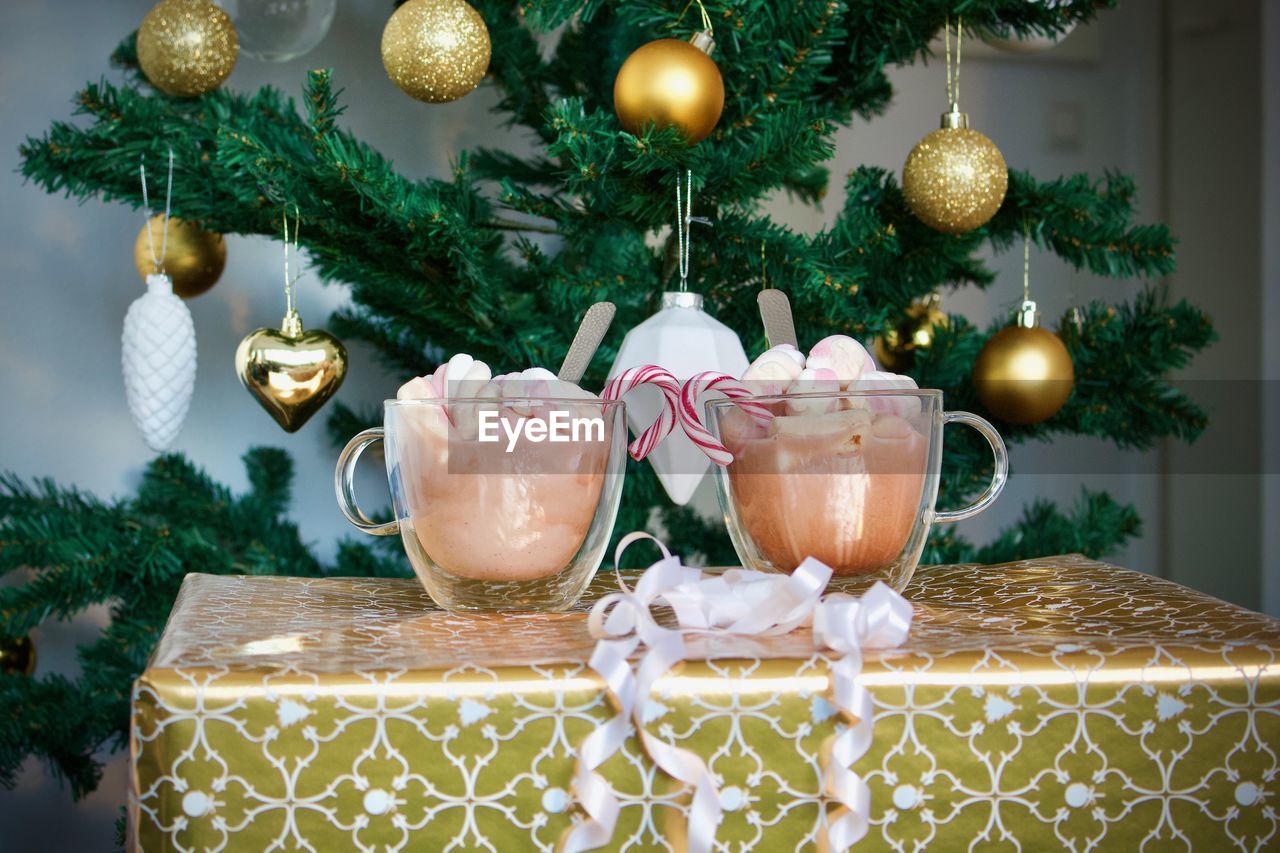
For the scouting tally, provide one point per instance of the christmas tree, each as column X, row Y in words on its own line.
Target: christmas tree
column 442, row 266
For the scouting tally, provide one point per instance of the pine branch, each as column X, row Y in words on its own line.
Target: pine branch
column 132, row 554
column 1096, row 527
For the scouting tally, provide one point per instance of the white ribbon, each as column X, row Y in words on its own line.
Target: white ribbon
column 737, row 602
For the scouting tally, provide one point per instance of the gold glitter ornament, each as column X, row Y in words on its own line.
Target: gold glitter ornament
column 17, row 656
column 436, row 50
column 1023, row 374
column 955, row 178
column 896, row 348
column 671, row 83
column 193, row 258
column 187, row 47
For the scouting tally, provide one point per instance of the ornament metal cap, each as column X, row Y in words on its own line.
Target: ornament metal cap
column 1075, row 316
column 955, row 119
column 1028, row 316
column 703, row 41
column 291, row 325
column 682, row 299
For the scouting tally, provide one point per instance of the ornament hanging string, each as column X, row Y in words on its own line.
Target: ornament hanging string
column 157, row 260
column 706, row 19
column 684, row 221
column 1026, row 264
column 764, row 269
column 290, row 282
column 953, row 85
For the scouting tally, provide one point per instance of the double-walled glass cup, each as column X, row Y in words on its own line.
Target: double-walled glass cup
column 851, row 482
column 501, row 503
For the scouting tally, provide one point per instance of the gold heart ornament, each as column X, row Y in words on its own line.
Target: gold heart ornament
column 291, row 372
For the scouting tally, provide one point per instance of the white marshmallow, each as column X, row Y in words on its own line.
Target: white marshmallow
column 774, row 371
column 462, row 376
column 841, row 423
column 465, row 377
column 790, row 351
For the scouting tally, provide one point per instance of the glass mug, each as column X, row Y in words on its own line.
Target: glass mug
column 854, row 487
column 517, row 523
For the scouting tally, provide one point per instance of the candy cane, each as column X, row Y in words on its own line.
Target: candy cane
column 648, row 374
column 688, row 411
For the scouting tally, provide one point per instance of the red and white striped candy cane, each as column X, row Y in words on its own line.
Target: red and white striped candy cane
column 700, row 384
column 647, row 374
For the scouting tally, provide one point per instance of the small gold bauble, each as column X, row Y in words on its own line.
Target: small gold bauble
column 436, row 50
column 291, row 372
column 669, row 83
column 896, row 348
column 193, row 257
column 955, row 178
column 187, row 47
column 17, row 656
column 1023, row 375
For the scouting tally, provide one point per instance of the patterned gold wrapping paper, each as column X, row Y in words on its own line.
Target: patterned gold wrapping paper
column 1058, row 703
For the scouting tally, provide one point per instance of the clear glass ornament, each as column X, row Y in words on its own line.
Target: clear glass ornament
column 280, row 30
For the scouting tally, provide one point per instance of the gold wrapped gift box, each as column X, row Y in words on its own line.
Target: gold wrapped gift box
column 1058, row 703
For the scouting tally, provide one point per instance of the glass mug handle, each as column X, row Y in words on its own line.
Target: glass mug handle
column 345, row 487
column 998, row 479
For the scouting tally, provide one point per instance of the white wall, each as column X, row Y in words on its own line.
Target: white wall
column 67, row 277
column 1214, row 199
column 1269, row 37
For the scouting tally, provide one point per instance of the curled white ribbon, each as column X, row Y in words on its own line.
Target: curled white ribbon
column 737, row 602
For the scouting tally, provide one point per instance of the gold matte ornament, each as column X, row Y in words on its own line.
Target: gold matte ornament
column 291, row 372
column 194, row 258
column 17, row 656
column 670, row 83
column 436, row 50
column 1024, row 374
column 896, row 348
column 187, row 47
column 955, row 178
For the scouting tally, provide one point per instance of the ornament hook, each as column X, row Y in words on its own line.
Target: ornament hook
column 157, row 262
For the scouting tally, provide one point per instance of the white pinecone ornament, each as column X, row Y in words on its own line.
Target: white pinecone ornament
column 159, row 361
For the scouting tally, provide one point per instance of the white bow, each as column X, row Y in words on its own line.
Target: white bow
column 737, row 602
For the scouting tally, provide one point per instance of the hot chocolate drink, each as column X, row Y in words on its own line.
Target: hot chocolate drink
column 485, row 513
column 844, row 487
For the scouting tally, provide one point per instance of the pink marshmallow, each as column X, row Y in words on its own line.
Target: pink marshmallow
column 901, row 406
column 842, row 354
column 418, row 388
column 814, row 380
